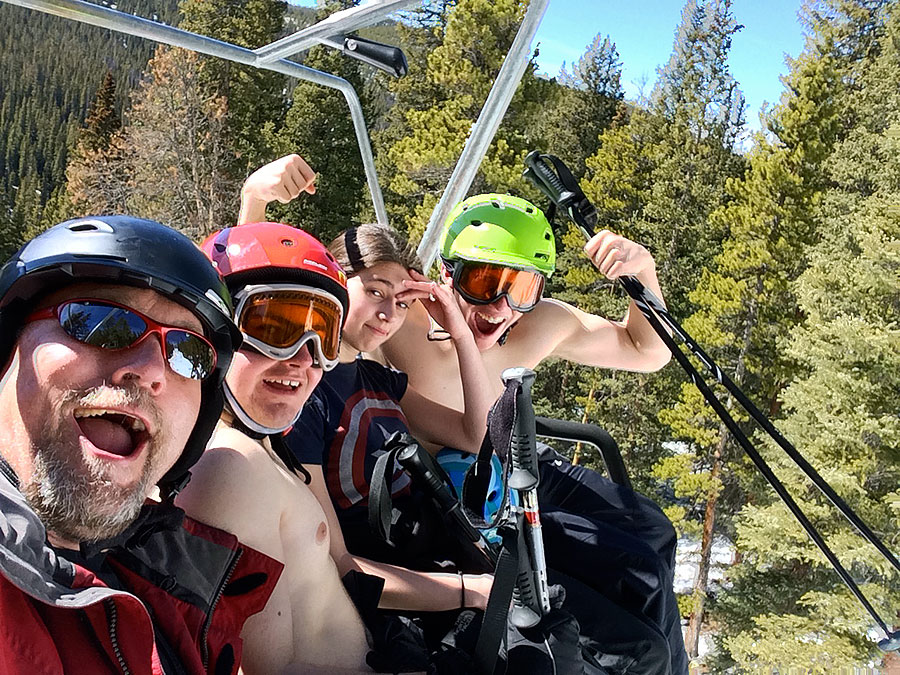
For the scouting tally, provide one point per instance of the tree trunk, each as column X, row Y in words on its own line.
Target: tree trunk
column 692, row 638
column 561, row 400
column 576, row 456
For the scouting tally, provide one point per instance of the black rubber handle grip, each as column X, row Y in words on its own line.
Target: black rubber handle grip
column 545, row 178
column 549, row 180
column 389, row 59
column 522, row 447
column 425, row 470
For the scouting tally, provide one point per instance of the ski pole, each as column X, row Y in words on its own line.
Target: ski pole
column 562, row 189
column 566, row 188
column 427, row 472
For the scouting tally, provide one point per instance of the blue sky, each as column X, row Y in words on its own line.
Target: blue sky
column 643, row 31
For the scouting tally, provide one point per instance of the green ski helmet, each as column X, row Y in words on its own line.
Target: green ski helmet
column 502, row 230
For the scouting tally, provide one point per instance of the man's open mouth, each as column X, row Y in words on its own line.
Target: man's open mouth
column 112, row 431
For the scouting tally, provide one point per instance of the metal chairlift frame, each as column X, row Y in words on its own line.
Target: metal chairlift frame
column 328, row 32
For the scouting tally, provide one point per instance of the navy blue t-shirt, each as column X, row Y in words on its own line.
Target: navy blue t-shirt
column 355, row 408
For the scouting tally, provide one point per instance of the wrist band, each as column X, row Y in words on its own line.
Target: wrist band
column 462, row 591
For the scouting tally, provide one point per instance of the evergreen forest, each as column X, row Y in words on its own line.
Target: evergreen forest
column 779, row 253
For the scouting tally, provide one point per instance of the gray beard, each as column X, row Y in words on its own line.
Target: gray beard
column 71, row 493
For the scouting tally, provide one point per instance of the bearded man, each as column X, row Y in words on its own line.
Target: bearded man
column 115, row 334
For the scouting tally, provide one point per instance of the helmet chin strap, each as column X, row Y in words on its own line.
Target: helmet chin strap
column 232, row 404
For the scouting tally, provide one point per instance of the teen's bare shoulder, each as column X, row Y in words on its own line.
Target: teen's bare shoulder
column 551, row 307
column 543, row 332
column 556, row 316
column 234, row 483
column 551, row 317
column 244, row 459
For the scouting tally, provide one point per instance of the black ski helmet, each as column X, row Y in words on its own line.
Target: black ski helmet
column 132, row 252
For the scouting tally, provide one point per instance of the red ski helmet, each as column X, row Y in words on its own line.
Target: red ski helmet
column 272, row 253
column 290, row 293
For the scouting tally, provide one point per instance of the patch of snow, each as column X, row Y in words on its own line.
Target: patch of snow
column 687, row 560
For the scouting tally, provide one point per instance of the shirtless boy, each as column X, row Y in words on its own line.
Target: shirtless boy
column 290, row 299
column 496, row 253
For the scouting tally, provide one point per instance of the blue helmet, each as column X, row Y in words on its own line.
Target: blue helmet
column 457, row 462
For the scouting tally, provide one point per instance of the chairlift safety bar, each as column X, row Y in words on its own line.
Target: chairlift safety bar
column 484, row 129
column 129, row 24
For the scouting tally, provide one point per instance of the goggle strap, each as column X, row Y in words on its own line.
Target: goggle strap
column 245, row 419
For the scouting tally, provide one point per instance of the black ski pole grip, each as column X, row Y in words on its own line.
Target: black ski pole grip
column 526, row 610
column 571, row 199
column 523, row 450
column 420, row 465
column 546, row 179
column 425, row 470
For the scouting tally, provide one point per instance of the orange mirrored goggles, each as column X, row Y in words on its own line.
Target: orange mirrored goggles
column 483, row 283
column 279, row 319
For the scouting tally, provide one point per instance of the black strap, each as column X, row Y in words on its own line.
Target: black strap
column 493, row 625
column 279, row 445
column 476, row 484
column 380, row 509
column 286, row 455
column 501, row 421
column 478, row 477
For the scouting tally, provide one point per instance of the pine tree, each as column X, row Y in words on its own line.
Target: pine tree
column 97, row 179
column 102, row 120
column 459, row 76
column 253, row 97
column 693, row 153
column 178, row 173
column 585, row 104
column 839, row 407
column 656, row 177
column 744, row 300
column 25, row 212
column 195, row 128
column 50, row 70
column 420, row 33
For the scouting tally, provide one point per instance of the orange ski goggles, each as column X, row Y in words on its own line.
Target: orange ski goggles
column 279, row 319
column 484, row 283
